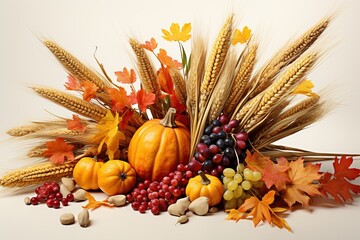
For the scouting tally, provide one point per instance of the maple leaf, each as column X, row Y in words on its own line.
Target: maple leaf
column 119, row 99
column 260, row 211
column 255, row 161
column 337, row 184
column 241, row 36
column 176, row 34
column 126, row 118
column 165, row 81
column 125, row 76
column 109, row 134
column 165, row 59
column 150, row 45
column 59, row 151
column 144, row 99
column 301, row 182
column 275, row 174
column 75, row 124
column 72, row 83
column 89, row 90
column 94, row 204
column 305, row 87
column 175, row 103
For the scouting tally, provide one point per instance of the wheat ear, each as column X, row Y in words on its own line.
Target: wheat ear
column 179, row 83
column 72, row 103
column 37, row 174
column 23, row 130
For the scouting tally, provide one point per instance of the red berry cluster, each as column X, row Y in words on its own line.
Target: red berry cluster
column 49, row 193
column 157, row 196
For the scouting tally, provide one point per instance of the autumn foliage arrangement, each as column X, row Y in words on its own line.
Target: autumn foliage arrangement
column 159, row 125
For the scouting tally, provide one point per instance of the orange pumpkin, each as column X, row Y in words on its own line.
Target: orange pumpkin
column 158, row 146
column 116, row 177
column 85, row 173
column 207, row 186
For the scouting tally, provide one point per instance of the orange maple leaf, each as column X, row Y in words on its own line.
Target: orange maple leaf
column 75, row 124
column 275, row 174
column 260, row 211
column 337, row 185
column 89, row 90
column 302, row 182
column 59, row 151
column 165, row 81
column 144, row 99
column 165, row 59
column 255, row 161
column 125, row 76
column 72, row 83
column 94, row 204
column 150, row 45
column 119, row 99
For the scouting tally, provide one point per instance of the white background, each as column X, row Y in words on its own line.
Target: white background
column 80, row 26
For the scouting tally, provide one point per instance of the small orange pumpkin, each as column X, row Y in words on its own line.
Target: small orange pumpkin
column 116, row 177
column 207, row 186
column 158, row 146
column 85, row 173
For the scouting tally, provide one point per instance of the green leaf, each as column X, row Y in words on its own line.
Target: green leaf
column 166, row 103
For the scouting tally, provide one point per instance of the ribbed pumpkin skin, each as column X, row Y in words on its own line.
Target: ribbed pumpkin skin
column 85, row 173
column 155, row 150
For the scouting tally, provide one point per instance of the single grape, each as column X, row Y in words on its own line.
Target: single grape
column 135, row 205
column 204, row 137
column 238, row 178
column 224, row 119
column 64, row 202
column 225, row 161
column 234, row 123
column 232, row 185
column 229, row 142
column 180, row 167
column 257, row 176
column 214, row 172
column 240, row 167
column 246, row 185
column 231, row 204
column 213, row 149
column 155, row 210
column 217, row 158
column 208, row 165
column 238, row 191
column 248, row 174
column 213, row 137
column 70, row 197
column 56, row 204
column 142, row 208
column 200, row 157
column 242, row 136
column 216, row 130
column 226, row 180
column 229, row 172
column 221, row 135
column 208, row 130
column 227, row 128
column 229, row 152
column 50, row 203
column 220, row 143
column 240, row 144
column 228, row 195
column 216, row 122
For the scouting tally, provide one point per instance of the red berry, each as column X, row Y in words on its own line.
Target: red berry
column 37, row 190
column 139, row 198
column 143, row 192
column 56, row 189
column 200, row 157
column 162, row 204
column 213, row 149
column 174, row 182
column 147, row 183
column 51, row 196
column 188, row 174
column 129, row 198
column 166, row 180
column 161, row 193
column 50, row 203
column 200, row 146
column 34, row 201
column 141, row 186
column 58, row 196
column 70, row 197
column 177, row 192
column 220, row 169
column 184, row 181
column 227, row 128
column 155, row 210
column 181, row 167
column 135, row 205
column 168, row 195
column 142, row 209
column 65, row 202
column 214, row 172
column 56, row 204
column 155, row 202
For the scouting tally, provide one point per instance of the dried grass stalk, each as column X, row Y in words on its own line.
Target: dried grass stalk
column 37, row 174
column 242, row 78
column 72, row 103
column 74, row 67
column 215, row 62
column 179, row 83
column 287, row 55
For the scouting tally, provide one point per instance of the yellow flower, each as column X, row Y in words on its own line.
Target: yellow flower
column 175, row 34
column 241, row 36
column 109, row 134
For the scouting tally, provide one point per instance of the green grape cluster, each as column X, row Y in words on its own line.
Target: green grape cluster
column 238, row 183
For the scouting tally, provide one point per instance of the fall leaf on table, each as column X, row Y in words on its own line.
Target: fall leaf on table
column 89, row 90
column 301, row 184
column 72, row 84
column 337, row 184
column 59, row 151
column 305, row 87
column 109, row 134
column 165, row 81
column 276, row 174
column 176, row 34
column 150, row 45
column 94, row 204
column 260, row 211
column 125, row 76
column 255, row 161
column 119, row 99
column 75, row 124
column 241, row 36
column 144, row 99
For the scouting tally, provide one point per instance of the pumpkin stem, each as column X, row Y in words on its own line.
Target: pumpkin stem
column 204, row 180
column 169, row 119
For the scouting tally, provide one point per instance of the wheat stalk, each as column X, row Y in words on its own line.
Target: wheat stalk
column 287, row 55
column 279, row 90
column 215, row 62
column 72, row 103
column 37, row 174
column 179, row 83
column 242, row 78
column 24, row 130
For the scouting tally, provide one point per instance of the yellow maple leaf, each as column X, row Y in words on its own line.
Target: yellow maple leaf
column 175, row 34
column 241, row 36
column 305, row 87
column 109, row 134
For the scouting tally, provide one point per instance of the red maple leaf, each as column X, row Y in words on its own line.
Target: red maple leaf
column 72, row 84
column 125, row 76
column 337, row 184
column 59, row 151
column 75, row 124
column 119, row 99
column 126, row 118
column 165, row 81
column 275, row 174
column 144, row 99
column 89, row 90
